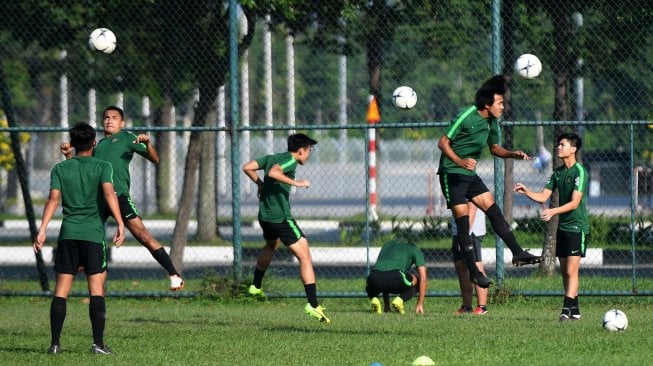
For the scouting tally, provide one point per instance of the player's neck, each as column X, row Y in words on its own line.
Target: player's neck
column 84, row 153
column 569, row 161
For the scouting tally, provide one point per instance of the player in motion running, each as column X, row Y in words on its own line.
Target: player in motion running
column 571, row 181
column 118, row 148
column 83, row 184
column 277, row 221
column 469, row 132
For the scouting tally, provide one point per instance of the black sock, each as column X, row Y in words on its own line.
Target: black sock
column 465, row 243
column 57, row 316
column 97, row 312
column 311, row 294
column 258, row 277
column 501, row 227
column 164, row 260
column 575, row 302
column 568, row 302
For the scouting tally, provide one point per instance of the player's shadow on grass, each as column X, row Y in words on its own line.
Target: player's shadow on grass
column 326, row 328
column 177, row 321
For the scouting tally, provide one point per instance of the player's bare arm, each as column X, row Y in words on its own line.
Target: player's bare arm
column 539, row 197
column 112, row 201
column 66, row 150
column 501, row 152
column 423, row 280
column 48, row 212
column 277, row 173
column 576, row 197
column 445, row 146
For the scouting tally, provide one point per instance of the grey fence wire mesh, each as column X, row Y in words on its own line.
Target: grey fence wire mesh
column 312, row 67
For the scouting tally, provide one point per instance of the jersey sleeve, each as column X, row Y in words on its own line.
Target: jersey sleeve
column 550, row 184
column 55, row 178
column 419, row 258
column 107, row 173
column 137, row 147
column 493, row 137
column 581, row 180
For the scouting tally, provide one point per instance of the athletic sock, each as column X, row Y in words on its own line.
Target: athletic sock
column 97, row 312
column 311, row 294
column 501, row 227
column 568, row 302
column 57, row 316
column 164, row 260
column 258, row 277
column 465, row 243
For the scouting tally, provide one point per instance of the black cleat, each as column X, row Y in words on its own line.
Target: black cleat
column 101, row 349
column 565, row 314
column 54, row 349
column 478, row 278
column 525, row 258
column 575, row 313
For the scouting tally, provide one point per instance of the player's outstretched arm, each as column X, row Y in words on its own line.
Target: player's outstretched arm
column 423, row 280
column 48, row 212
column 501, row 152
column 539, row 197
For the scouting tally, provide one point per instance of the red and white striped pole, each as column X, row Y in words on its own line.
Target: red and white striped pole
column 373, row 117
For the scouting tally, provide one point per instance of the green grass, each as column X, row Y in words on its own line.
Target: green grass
column 169, row 331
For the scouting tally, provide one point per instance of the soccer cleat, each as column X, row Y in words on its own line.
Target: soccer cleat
column 176, row 283
column 376, row 305
column 398, row 305
column 54, row 349
column 317, row 312
column 102, row 349
column 480, row 310
column 575, row 313
column 256, row 292
column 478, row 278
column 565, row 314
column 463, row 310
column 525, row 258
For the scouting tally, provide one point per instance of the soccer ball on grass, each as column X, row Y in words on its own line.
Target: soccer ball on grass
column 615, row 320
column 102, row 40
column 404, row 97
column 528, row 66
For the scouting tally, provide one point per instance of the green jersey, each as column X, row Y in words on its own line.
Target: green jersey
column 567, row 181
column 80, row 180
column 469, row 133
column 119, row 149
column 398, row 255
column 274, row 205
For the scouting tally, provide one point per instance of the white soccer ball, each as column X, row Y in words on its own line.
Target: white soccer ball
column 615, row 320
column 404, row 97
column 528, row 66
column 102, row 40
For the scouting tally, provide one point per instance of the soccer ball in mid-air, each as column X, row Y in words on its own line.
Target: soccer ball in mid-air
column 102, row 40
column 528, row 66
column 615, row 320
column 404, row 97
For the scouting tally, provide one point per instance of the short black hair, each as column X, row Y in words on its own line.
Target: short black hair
column 485, row 94
column 299, row 140
column 573, row 138
column 82, row 136
column 114, row 108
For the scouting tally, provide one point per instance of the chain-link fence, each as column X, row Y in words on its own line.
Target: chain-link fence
column 312, row 66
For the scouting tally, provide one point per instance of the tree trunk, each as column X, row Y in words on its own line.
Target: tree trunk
column 206, row 204
column 166, row 192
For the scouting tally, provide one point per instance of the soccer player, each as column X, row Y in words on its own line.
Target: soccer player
column 461, row 146
column 571, row 181
column 81, row 183
column 390, row 275
column 118, row 148
column 276, row 219
column 478, row 231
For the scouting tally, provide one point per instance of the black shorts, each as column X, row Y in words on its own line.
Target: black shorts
column 393, row 282
column 73, row 254
column 458, row 189
column 569, row 244
column 288, row 231
column 128, row 208
column 458, row 255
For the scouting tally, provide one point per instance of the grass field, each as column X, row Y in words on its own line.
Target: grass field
column 185, row 331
